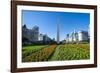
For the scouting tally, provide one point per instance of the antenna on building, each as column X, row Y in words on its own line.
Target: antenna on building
column 74, row 31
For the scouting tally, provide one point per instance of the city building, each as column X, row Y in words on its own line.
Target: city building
column 30, row 35
column 77, row 37
column 83, row 36
column 41, row 37
column 35, row 33
column 44, row 38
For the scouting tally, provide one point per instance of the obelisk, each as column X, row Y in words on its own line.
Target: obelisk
column 57, row 31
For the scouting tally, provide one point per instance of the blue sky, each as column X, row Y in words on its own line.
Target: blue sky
column 47, row 22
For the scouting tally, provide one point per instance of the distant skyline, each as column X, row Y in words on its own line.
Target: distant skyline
column 47, row 22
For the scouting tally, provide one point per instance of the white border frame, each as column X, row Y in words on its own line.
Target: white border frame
column 53, row 63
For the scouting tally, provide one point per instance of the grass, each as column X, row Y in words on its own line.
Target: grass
column 41, row 55
column 27, row 50
column 55, row 52
column 71, row 52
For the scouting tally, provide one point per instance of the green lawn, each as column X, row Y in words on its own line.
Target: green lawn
column 71, row 52
column 55, row 52
column 27, row 50
column 40, row 55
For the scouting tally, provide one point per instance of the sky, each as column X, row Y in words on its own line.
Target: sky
column 47, row 22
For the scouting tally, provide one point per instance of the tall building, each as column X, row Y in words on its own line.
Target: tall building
column 89, row 30
column 89, row 33
column 83, row 35
column 58, row 38
column 77, row 37
column 30, row 35
column 46, row 38
column 35, row 33
column 41, row 37
column 67, row 38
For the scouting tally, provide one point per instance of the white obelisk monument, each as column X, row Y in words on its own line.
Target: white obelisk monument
column 58, row 32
